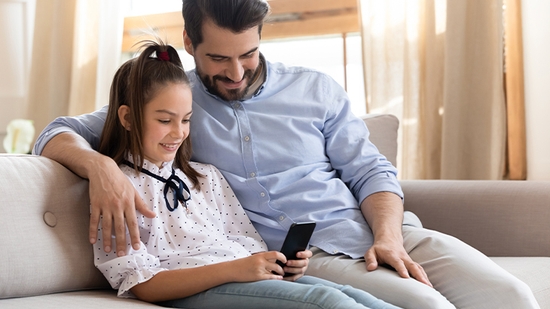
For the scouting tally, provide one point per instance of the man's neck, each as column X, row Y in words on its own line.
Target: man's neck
column 258, row 79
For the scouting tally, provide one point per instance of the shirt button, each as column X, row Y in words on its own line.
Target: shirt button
column 246, row 138
column 252, row 174
column 237, row 105
column 262, row 194
column 281, row 218
column 334, row 251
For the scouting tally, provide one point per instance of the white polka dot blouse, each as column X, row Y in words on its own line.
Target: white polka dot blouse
column 211, row 227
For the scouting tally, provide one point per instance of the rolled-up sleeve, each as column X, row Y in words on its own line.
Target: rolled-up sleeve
column 89, row 126
column 123, row 273
column 360, row 164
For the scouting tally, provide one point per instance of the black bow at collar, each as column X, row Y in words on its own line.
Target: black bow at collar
column 173, row 182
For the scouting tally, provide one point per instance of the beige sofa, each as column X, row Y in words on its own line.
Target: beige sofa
column 46, row 260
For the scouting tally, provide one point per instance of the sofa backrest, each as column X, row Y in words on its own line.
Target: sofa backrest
column 383, row 134
column 44, row 220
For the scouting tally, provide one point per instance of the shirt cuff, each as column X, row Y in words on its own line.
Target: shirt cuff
column 384, row 182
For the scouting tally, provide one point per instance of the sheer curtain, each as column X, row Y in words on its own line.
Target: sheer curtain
column 438, row 66
column 76, row 50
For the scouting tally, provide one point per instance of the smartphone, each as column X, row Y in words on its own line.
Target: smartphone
column 296, row 240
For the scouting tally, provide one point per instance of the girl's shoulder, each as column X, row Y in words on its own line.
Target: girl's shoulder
column 201, row 165
column 210, row 174
column 204, row 168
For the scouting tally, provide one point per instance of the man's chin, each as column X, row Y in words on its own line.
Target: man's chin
column 215, row 87
column 229, row 94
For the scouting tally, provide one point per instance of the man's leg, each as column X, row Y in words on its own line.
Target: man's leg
column 461, row 275
column 466, row 277
column 382, row 283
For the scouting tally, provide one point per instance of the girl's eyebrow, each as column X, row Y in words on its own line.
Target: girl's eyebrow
column 165, row 111
column 170, row 112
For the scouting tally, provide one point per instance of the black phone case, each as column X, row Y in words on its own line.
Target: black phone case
column 296, row 240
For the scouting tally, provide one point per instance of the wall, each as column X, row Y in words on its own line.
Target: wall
column 16, row 28
column 536, row 51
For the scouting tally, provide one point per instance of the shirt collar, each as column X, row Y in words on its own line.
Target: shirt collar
column 258, row 84
column 165, row 170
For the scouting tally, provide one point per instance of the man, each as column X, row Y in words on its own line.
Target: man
column 287, row 142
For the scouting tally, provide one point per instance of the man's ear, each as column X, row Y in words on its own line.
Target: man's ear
column 187, row 44
column 124, row 116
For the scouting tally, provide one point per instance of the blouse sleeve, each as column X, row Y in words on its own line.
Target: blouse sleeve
column 125, row 272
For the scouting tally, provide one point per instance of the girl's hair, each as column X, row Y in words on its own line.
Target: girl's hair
column 135, row 84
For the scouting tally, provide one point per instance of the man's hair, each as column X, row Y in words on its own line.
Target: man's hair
column 234, row 15
column 135, row 84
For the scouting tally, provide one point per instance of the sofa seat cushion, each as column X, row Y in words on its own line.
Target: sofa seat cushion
column 82, row 300
column 531, row 270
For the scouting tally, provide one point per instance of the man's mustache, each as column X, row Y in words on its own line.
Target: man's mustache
column 247, row 73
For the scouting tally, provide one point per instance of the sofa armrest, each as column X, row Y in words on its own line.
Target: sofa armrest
column 499, row 218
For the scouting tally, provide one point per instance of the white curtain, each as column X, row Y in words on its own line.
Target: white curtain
column 438, row 66
column 76, row 50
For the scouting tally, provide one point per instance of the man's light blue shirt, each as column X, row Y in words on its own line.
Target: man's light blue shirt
column 293, row 152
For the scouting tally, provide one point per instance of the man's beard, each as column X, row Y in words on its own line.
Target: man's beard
column 231, row 94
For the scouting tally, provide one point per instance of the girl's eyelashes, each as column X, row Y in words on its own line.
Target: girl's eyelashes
column 163, row 121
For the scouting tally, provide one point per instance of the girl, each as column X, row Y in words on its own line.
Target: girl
column 201, row 250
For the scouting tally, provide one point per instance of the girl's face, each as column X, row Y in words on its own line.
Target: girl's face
column 166, row 122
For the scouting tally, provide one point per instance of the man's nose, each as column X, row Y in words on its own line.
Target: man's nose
column 235, row 71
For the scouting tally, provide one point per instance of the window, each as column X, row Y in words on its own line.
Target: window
column 326, row 54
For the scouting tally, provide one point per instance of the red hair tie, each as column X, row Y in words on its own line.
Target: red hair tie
column 164, row 56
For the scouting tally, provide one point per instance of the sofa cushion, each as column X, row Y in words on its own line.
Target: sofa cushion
column 531, row 270
column 79, row 299
column 44, row 234
column 383, row 134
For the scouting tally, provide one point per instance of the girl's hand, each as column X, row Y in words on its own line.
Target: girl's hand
column 297, row 267
column 259, row 266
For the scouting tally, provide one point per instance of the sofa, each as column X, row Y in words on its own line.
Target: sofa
column 47, row 262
